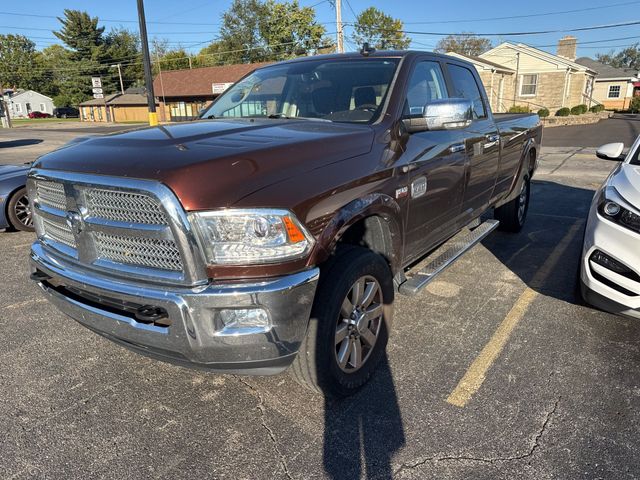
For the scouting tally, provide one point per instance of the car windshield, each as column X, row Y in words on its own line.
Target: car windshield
column 351, row 90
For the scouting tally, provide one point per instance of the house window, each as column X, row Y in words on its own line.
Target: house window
column 528, row 85
column 43, row 107
column 614, row 91
column 18, row 107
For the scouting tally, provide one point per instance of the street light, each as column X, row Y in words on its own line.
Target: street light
column 120, row 75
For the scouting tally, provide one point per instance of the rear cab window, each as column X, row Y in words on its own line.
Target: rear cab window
column 465, row 86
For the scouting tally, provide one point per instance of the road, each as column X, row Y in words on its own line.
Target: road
column 559, row 399
column 620, row 128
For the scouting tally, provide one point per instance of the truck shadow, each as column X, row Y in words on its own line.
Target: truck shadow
column 555, row 211
column 363, row 432
column 23, row 142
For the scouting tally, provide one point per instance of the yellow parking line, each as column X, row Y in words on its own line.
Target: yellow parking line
column 475, row 375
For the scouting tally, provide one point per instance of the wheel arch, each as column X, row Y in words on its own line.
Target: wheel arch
column 12, row 190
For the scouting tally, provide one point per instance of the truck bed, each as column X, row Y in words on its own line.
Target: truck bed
column 505, row 117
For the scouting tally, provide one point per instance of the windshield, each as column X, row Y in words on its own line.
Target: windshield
column 337, row 90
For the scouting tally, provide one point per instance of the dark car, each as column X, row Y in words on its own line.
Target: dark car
column 66, row 112
column 39, row 115
column 15, row 212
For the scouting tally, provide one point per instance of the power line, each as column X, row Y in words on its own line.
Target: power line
column 531, row 15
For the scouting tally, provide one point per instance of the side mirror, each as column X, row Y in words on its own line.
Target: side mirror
column 447, row 114
column 611, row 151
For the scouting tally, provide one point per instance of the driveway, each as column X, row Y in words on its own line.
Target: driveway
column 555, row 383
column 620, row 128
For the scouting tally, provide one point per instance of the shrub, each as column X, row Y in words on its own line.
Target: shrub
column 579, row 110
column 563, row 112
column 597, row 108
column 543, row 112
column 634, row 106
column 519, row 109
column 583, row 108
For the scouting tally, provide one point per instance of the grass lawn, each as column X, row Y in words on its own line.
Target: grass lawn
column 35, row 121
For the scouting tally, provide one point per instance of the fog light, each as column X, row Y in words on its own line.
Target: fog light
column 244, row 321
column 609, row 263
column 611, row 208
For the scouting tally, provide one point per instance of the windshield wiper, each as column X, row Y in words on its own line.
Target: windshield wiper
column 280, row 115
column 287, row 117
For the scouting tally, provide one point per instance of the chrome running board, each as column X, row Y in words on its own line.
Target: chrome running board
column 420, row 276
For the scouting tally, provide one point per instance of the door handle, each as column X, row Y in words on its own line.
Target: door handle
column 458, row 147
column 409, row 167
column 492, row 140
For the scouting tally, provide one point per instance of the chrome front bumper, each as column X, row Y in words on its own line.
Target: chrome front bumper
column 194, row 337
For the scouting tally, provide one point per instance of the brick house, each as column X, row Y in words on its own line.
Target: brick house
column 497, row 79
column 614, row 87
column 183, row 93
column 543, row 79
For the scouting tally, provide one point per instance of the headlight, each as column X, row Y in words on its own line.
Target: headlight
column 241, row 237
column 614, row 208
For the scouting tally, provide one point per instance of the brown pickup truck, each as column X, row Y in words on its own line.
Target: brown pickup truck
column 278, row 228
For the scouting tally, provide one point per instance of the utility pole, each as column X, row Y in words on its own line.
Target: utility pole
column 119, row 75
column 146, row 59
column 340, row 32
column 190, row 62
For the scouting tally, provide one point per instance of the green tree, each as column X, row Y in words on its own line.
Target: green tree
column 465, row 44
column 123, row 47
column 66, row 79
column 627, row 58
column 240, row 31
column 19, row 65
column 380, row 30
column 80, row 32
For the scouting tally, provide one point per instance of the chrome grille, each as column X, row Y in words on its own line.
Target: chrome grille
column 146, row 252
column 58, row 232
column 124, row 206
column 51, row 194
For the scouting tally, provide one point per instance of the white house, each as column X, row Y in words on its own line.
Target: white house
column 23, row 102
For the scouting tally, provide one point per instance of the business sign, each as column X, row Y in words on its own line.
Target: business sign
column 97, row 90
column 96, row 82
column 219, row 88
column 98, row 95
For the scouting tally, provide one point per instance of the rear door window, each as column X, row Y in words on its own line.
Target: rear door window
column 465, row 86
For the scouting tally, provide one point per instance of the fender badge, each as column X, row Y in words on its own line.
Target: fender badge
column 402, row 192
column 419, row 187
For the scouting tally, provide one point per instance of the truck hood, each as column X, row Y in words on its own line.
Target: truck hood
column 626, row 180
column 215, row 163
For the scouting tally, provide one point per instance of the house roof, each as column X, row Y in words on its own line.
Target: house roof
column 198, row 81
column 549, row 57
column 483, row 62
column 128, row 99
column 22, row 92
column 99, row 101
column 607, row 72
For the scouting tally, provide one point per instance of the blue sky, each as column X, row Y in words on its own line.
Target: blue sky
column 193, row 23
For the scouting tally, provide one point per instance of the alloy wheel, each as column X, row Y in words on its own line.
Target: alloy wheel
column 359, row 323
column 22, row 210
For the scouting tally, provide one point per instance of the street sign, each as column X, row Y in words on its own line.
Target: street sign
column 97, row 90
column 219, row 88
column 96, row 82
column 98, row 95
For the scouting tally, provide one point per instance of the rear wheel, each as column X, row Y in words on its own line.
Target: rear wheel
column 19, row 211
column 348, row 330
column 512, row 215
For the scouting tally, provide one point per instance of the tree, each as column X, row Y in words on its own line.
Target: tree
column 627, row 58
column 18, row 62
column 240, row 31
column 380, row 30
column 80, row 32
column 465, row 44
column 123, row 46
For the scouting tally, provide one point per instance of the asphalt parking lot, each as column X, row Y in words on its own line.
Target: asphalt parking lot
column 496, row 371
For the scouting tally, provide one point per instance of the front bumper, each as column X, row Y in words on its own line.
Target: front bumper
column 603, row 287
column 194, row 337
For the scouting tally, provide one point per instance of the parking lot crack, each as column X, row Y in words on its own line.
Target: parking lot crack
column 535, row 444
column 267, row 428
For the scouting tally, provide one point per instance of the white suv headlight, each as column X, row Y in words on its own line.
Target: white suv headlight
column 242, row 236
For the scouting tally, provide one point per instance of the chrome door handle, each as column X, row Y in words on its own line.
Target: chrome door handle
column 493, row 138
column 409, row 167
column 458, row 147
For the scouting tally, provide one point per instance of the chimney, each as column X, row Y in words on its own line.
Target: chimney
column 567, row 47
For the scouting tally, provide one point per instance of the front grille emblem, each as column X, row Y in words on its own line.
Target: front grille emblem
column 74, row 222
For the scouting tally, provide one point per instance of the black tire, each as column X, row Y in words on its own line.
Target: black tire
column 16, row 215
column 317, row 366
column 513, row 215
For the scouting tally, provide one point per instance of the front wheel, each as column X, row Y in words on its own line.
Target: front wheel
column 348, row 330
column 512, row 215
column 19, row 211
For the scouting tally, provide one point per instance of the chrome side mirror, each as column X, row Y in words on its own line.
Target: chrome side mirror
column 447, row 114
column 611, row 151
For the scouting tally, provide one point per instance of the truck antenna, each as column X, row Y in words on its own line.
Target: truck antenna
column 366, row 49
